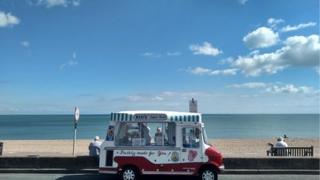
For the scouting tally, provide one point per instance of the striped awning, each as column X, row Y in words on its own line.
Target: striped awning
column 185, row 118
column 121, row 117
column 171, row 118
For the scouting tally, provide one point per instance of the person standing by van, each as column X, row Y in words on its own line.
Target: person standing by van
column 94, row 147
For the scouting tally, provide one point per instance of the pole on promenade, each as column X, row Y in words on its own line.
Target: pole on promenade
column 76, row 119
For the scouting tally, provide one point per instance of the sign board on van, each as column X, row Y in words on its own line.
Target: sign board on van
column 141, row 117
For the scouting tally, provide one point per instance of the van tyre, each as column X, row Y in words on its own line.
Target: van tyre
column 129, row 173
column 208, row 174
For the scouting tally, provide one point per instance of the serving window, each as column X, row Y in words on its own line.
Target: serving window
column 191, row 137
column 146, row 134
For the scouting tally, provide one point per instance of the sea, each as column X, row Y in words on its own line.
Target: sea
column 218, row 126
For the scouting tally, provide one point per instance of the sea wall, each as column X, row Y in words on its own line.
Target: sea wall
column 74, row 163
column 85, row 162
column 272, row 163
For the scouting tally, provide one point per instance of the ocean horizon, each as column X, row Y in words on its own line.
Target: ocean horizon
column 218, row 126
column 58, row 114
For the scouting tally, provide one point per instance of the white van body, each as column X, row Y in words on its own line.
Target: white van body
column 158, row 142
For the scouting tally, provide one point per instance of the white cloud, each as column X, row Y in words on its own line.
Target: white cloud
column 272, row 22
column 161, row 96
column 147, row 54
column 254, row 65
column 142, row 98
column 211, row 72
column 182, row 94
column 227, row 60
column 250, row 85
column 226, row 72
column 277, row 88
column 158, row 55
column 70, row 63
column 151, row 55
column 157, row 98
column 199, row 71
column 52, row 3
column 261, row 38
column 297, row 27
column 25, row 44
column 209, row 101
column 291, row 89
column 8, row 20
column 205, row 49
column 135, row 98
column 57, row 3
column 301, row 50
column 297, row 51
column 173, row 53
column 219, row 102
column 242, row 2
column 76, row 2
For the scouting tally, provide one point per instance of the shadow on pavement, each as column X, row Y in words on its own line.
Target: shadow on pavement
column 115, row 177
column 88, row 177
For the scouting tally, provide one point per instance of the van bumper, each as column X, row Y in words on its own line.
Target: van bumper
column 108, row 170
column 221, row 168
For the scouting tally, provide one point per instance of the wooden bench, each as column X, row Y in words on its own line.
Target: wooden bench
column 290, row 151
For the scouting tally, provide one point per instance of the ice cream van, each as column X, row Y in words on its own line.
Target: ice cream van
column 158, row 143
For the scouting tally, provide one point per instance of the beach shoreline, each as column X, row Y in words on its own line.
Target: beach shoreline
column 228, row 147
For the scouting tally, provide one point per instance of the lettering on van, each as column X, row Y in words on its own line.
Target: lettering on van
column 141, row 117
column 160, row 153
column 127, row 153
column 137, row 153
column 145, row 153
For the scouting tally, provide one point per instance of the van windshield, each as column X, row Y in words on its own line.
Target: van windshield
column 205, row 137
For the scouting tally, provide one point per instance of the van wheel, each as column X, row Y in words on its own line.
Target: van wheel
column 208, row 174
column 129, row 173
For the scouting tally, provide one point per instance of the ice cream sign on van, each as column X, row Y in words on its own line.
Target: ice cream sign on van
column 141, row 117
column 158, row 142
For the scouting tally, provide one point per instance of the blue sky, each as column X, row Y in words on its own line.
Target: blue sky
column 234, row 56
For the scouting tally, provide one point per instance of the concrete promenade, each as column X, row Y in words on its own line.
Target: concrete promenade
column 31, row 176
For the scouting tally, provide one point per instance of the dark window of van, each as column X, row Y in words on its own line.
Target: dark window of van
column 146, row 134
column 191, row 137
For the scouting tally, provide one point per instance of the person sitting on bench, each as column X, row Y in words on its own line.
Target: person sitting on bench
column 280, row 143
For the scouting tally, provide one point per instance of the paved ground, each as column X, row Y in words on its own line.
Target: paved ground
column 8, row 176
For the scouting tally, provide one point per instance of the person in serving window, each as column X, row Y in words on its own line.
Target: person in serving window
column 110, row 134
column 126, row 138
column 158, row 137
column 145, row 133
column 194, row 137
